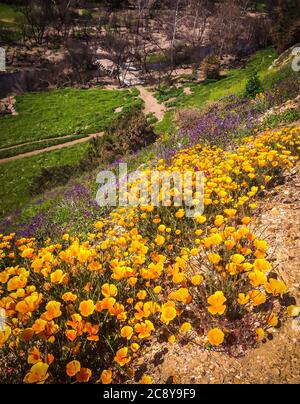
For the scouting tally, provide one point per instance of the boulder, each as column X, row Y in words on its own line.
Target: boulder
column 7, row 106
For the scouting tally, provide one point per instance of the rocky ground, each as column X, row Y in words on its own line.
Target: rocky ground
column 276, row 360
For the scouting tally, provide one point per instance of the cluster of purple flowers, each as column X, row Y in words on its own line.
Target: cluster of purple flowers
column 73, row 209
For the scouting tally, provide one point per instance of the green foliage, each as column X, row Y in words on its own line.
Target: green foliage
column 8, row 13
column 165, row 93
column 233, row 83
column 286, row 117
column 10, row 20
column 260, row 7
column 253, row 86
column 212, row 66
column 125, row 137
column 151, row 119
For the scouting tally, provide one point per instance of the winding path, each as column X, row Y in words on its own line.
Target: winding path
column 151, row 106
column 50, row 148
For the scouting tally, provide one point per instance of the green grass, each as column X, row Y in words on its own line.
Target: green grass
column 46, row 115
column 287, row 117
column 64, row 112
column 16, row 177
column 233, row 83
column 8, row 13
column 10, row 27
column 6, row 153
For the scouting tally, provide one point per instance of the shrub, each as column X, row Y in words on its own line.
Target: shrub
column 124, row 137
column 253, row 86
column 187, row 118
column 211, row 67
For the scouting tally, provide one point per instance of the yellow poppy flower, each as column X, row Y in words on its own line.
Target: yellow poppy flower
column 197, row 280
column 186, row 327
column 257, row 278
column 86, row 308
column 52, row 311
column 214, row 258
column 275, row 287
column 134, row 347
column 273, row 320
column 260, row 334
column 127, row 332
column 257, row 297
column 216, row 337
column 109, row 290
column 38, row 374
column 168, row 312
column 160, row 240
column 181, row 295
column 146, row 380
column 243, row 299
column 216, row 302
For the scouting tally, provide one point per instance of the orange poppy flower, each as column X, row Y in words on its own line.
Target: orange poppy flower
column 84, row 375
column 52, row 311
column 215, row 337
column 69, row 297
column 216, row 303
column 109, row 290
column 106, row 377
column 34, row 356
column 73, row 368
column 86, row 308
column 122, row 357
column 71, row 335
column 144, row 329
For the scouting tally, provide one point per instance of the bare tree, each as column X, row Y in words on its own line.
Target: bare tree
column 80, row 58
column 195, row 22
column 62, row 16
column 118, row 49
column 38, row 17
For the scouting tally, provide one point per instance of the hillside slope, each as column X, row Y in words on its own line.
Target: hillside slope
column 277, row 361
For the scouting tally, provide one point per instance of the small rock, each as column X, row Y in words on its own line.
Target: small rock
column 275, row 212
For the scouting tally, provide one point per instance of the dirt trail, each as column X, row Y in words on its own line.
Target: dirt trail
column 151, row 104
column 35, row 142
column 275, row 361
column 50, row 148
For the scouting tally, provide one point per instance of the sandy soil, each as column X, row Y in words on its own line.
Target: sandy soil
column 151, row 104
